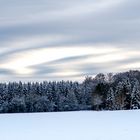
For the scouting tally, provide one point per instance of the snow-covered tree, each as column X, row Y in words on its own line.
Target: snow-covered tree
column 100, row 78
column 135, row 96
column 110, row 101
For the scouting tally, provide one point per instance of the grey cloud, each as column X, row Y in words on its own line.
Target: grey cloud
column 110, row 26
column 117, row 25
column 6, row 72
column 84, row 69
column 53, row 66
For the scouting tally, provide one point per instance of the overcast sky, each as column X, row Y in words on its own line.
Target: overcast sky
column 67, row 39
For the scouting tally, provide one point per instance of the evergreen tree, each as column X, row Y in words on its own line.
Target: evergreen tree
column 135, row 96
column 110, row 101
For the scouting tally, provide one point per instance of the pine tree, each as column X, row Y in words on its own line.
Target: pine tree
column 110, row 101
column 135, row 96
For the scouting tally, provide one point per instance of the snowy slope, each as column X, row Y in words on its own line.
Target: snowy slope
column 87, row 125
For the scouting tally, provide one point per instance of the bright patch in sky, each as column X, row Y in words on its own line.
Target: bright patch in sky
column 20, row 62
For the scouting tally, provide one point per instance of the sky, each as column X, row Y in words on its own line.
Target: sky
column 67, row 39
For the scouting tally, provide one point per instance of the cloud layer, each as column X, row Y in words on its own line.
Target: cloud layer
column 55, row 40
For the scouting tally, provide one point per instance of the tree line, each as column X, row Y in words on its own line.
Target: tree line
column 103, row 92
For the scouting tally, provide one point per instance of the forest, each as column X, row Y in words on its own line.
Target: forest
column 110, row 91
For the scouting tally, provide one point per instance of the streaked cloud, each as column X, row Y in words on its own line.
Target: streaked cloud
column 19, row 62
column 67, row 39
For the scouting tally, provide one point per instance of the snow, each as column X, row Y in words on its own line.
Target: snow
column 82, row 125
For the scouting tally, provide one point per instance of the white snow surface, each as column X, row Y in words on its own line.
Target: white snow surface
column 82, row 125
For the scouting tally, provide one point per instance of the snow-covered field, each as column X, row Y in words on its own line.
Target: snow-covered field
column 83, row 125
